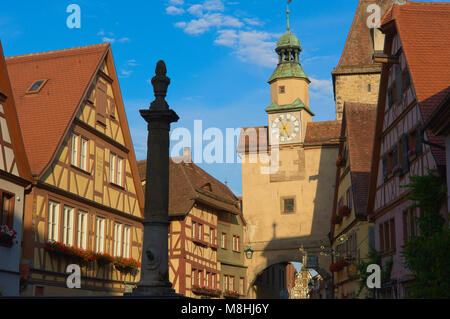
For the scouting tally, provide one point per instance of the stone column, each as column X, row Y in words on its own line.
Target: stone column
column 155, row 254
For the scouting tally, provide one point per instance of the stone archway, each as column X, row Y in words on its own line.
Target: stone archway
column 270, row 254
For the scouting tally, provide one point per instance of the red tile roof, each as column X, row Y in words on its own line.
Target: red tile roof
column 322, row 133
column 9, row 109
column 358, row 50
column 359, row 122
column 189, row 184
column 45, row 116
column 424, row 30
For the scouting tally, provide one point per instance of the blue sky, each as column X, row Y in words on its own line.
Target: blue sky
column 219, row 54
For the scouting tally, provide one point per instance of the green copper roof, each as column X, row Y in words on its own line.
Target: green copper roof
column 288, row 40
column 298, row 104
column 288, row 70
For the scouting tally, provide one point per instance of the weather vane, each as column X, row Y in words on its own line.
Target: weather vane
column 287, row 11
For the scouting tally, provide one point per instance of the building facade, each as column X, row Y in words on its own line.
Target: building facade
column 356, row 78
column 351, row 233
column 197, row 203
column 86, row 204
column 230, row 229
column 288, row 169
column 409, row 93
column 15, row 179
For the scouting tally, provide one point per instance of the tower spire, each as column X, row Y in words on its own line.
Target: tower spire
column 287, row 12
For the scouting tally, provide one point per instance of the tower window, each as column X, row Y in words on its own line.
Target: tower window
column 282, row 89
column 288, row 205
column 369, row 88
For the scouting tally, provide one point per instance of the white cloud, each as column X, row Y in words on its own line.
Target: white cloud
column 125, row 73
column 106, row 39
column 251, row 45
column 321, row 86
column 196, row 10
column 132, row 63
column 207, row 21
column 177, row 2
column 101, row 33
column 125, row 39
column 213, row 5
column 252, row 22
column 174, row 11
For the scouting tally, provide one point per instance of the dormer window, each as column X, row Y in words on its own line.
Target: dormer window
column 36, row 86
column 282, row 89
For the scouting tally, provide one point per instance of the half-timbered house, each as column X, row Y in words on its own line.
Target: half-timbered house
column 351, row 233
column 15, row 179
column 86, row 203
column 413, row 82
column 196, row 199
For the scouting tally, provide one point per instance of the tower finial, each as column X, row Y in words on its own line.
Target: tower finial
column 287, row 12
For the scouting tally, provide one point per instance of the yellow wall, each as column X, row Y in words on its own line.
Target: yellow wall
column 294, row 88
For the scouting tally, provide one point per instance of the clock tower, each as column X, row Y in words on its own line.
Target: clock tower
column 288, row 113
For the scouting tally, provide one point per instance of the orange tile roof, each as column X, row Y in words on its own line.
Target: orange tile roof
column 322, row 133
column 358, row 49
column 189, row 184
column 424, row 30
column 9, row 109
column 359, row 121
column 44, row 117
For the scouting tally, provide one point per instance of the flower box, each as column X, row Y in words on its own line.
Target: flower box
column 336, row 220
column 205, row 291
column 231, row 294
column 75, row 254
column 344, row 211
column 126, row 265
column 103, row 259
column 338, row 265
column 7, row 236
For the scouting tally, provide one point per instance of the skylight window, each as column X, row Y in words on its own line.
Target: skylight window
column 36, row 86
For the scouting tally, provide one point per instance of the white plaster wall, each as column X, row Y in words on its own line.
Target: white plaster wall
column 10, row 257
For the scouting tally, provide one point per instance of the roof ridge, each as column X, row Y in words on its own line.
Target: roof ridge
column 45, row 53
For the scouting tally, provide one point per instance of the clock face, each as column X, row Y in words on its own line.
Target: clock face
column 288, row 127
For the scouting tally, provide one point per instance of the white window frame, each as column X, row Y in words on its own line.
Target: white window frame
column 82, row 229
column 74, row 151
column 126, row 241
column 68, row 225
column 224, row 241
column 117, row 241
column 99, row 235
column 53, row 220
column 119, row 178
column 211, row 236
column 112, row 167
column 84, row 145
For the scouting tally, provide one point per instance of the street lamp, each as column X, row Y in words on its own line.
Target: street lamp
column 249, row 252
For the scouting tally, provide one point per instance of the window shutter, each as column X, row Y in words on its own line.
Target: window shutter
column 419, row 140
column 384, row 164
column 405, row 160
column 390, row 97
column 395, row 156
column 372, row 236
column 381, row 235
column 398, row 81
column 101, row 102
column 392, row 228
